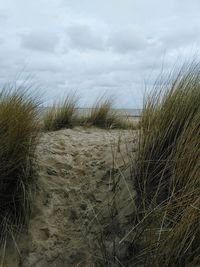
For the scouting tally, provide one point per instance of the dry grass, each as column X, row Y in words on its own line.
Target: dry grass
column 61, row 115
column 165, row 230
column 18, row 139
column 167, row 176
column 64, row 115
column 102, row 115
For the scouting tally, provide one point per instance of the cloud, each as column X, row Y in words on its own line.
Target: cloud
column 1, row 41
column 41, row 41
column 3, row 16
column 189, row 36
column 82, row 37
column 49, row 64
column 126, row 40
column 96, row 46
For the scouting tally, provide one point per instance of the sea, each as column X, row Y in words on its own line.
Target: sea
column 121, row 111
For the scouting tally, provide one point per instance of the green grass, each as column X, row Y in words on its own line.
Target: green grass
column 166, row 174
column 61, row 115
column 18, row 140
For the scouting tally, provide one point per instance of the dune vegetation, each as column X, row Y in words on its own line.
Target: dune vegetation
column 18, row 140
column 65, row 115
column 167, row 175
column 62, row 114
column 103, row 115
column 164, row 229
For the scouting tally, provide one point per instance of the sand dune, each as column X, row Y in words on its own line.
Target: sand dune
column 74, row 168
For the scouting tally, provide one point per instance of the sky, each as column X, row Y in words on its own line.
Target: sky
column 113, row 47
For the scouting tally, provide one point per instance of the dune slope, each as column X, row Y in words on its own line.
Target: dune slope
column 74, row 168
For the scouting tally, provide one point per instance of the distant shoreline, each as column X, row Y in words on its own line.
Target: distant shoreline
column 122, row 111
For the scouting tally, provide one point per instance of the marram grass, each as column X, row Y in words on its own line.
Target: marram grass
column 165, row 227
column 64, row 114
column 18, row 140
column 167, row 175
column 61, row 115
column 103, row 115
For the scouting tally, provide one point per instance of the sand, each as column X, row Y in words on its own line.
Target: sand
column 73, row 198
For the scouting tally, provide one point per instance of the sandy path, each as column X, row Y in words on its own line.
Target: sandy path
column 74, row 175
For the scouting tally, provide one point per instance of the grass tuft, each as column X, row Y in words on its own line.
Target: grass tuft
column 18, row 140
column 61, row 115
column 167, row 177
column 102, row 115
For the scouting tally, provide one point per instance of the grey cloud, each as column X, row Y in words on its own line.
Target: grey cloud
column 50, row 64
column 83, row 37
column 126, row 40
column 3, row 16
column 41, row 41
column 182, row 37
column 96, row 45
column 1, row 40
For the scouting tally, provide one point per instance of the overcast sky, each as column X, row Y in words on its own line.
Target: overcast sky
column 95, row 46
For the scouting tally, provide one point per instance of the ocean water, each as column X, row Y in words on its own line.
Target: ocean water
column 122, row 112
